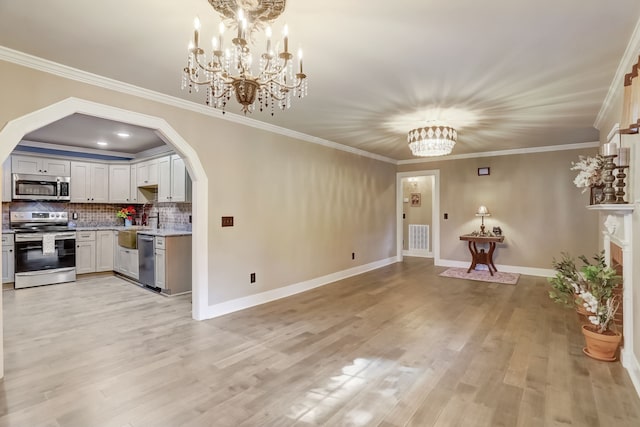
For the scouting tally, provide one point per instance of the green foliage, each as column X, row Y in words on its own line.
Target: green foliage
column 562, row 289
column 592, row 285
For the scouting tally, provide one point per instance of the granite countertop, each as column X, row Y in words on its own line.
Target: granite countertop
column 142, row 230
column 164, row 232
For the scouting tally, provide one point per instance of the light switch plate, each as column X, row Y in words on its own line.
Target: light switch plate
column 227, row 221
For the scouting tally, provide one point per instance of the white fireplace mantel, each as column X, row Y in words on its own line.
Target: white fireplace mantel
column 615, row 208
column 617, row 227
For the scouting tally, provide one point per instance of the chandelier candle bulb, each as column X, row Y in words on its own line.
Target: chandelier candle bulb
column 196, row 25
column 268, row 33
column 286, row 38
column 300, row 59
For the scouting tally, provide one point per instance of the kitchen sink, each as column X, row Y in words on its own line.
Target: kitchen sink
column 128, row 238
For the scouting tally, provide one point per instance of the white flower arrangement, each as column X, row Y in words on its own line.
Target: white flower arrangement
column 590, row 174
column 603, row 308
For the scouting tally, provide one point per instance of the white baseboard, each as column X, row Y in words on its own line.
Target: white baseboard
column 630, row 362
column 286, row 291
column 529, row 271
column 417, row 253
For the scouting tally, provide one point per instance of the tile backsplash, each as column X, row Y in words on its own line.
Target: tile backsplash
column 174, row 216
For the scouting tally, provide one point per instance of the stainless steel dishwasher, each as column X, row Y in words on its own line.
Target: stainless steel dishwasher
column 147, row 261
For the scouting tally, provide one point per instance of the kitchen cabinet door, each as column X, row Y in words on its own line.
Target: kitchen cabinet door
column 85, row 257
column 164, row 179
column 147, row 173
column 120, row 183
column 160, row 266
column 8, row 260
column 133, row 184
column 56, row 167
column 40, row 166
column 89, row 182
column 174, row 184
column 180, row 181
column 99, row 183
column 104, row 251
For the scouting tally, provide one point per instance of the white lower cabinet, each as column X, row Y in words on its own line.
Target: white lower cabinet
column 104, row 250
column 160, row 257
column 85, row 252
column 8, row 259
column 126, row 262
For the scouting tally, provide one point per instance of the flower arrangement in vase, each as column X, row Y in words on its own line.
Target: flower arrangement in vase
column 590, row 175
column 592, row 288
column 127, row 214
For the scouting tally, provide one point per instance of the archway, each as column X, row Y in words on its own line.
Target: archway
column 14, row 130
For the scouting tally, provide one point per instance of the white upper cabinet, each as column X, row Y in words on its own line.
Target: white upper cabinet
column 133, row 184
column 147, row 173
column 120, row 183
column 40, row 166
column 89, row 182
column 174, row 184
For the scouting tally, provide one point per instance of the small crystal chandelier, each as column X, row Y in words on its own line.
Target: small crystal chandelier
column 228, row 73
column 432, row 141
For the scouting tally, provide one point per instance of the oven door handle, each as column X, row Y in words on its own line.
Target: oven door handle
column 49, row 271
column 65, row 236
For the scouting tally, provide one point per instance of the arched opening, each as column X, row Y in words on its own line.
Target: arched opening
column 14, row 130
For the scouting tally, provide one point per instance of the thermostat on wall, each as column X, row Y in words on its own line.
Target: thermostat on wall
column 406, row 200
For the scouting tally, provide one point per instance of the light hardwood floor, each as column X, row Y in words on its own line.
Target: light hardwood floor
column 397, row 346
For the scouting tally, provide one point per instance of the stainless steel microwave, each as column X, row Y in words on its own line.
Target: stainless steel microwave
column 41, row 187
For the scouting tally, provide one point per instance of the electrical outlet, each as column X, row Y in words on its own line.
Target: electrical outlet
column 353, row 255
column 446, row 216
column 227, row 221
column 252, row 277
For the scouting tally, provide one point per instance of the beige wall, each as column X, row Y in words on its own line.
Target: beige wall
column 530, row 196
column 414, row 214
column 302, row 209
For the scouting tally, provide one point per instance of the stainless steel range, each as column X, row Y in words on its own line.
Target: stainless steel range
column 45, row 248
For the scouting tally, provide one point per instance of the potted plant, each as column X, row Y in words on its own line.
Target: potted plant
column 563, row 289
column 126, row 213
column 594, row 287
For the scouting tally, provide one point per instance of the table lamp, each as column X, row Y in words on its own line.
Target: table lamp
column 482, row 212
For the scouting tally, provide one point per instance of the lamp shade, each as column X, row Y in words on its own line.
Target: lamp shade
column 483, row 211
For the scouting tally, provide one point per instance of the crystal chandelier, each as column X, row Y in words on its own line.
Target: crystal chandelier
column 229, row 72
column 432, row 141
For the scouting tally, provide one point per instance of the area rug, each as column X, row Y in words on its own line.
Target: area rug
column 482, row 276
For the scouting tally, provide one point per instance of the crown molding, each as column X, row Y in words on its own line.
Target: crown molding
column 628, row 58
column 41, row 64
column 531, row 150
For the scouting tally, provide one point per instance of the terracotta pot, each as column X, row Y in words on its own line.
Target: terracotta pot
column 583, row 311
column 602, row 347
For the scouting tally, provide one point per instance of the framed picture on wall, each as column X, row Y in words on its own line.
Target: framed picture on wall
column 415, row 199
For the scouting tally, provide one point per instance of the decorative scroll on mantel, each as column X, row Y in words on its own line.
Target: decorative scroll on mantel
column 630, row 121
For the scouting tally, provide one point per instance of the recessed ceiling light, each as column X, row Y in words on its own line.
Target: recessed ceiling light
column 101, row 143
column 123, row 134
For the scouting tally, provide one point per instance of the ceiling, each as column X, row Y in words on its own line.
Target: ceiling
column 506, row 74
column 84, row 131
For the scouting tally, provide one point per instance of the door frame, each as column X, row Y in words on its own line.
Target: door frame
column 14, row 131
column 435, row 213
